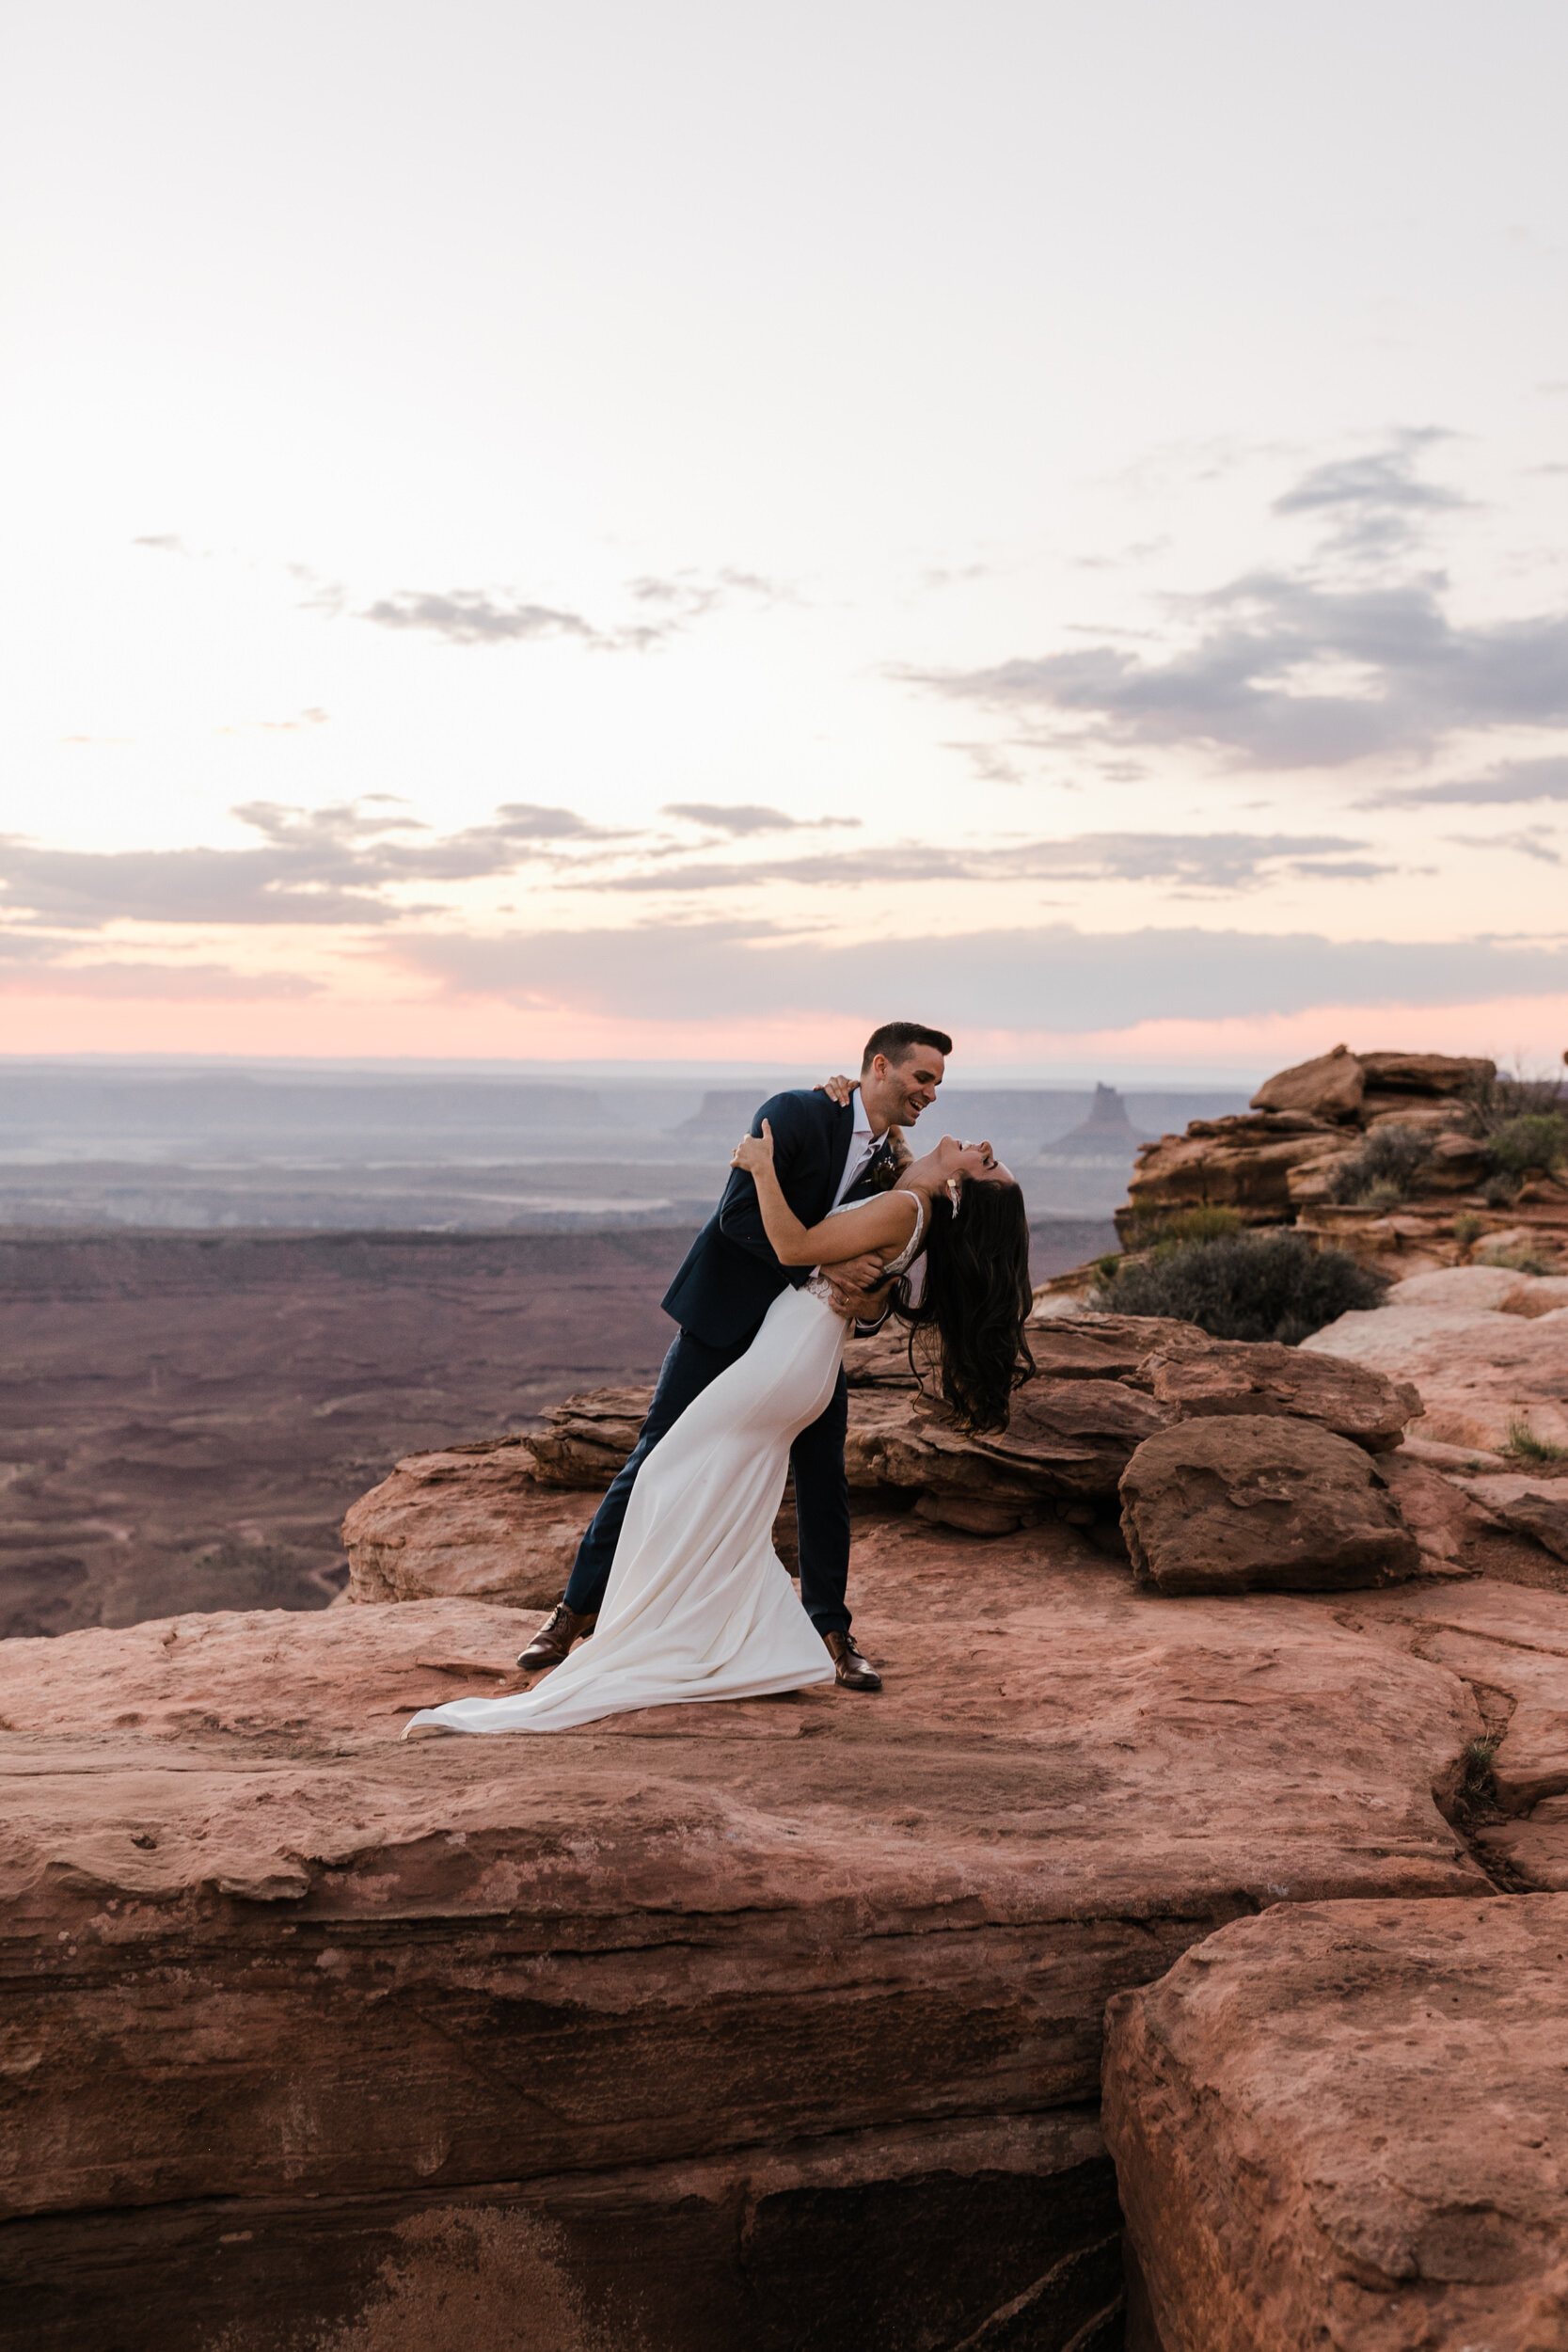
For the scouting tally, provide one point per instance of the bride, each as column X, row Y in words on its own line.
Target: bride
column 699, row 1605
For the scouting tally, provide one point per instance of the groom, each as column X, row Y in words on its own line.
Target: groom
column 825, row 1154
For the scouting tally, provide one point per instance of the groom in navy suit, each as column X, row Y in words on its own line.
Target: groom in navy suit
column 826, row 1154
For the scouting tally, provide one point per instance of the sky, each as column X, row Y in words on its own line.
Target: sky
column 679, row 531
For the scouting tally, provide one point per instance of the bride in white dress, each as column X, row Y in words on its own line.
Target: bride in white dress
column 699, row 1605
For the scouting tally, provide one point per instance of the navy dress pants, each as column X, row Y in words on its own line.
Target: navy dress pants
column 821, row 1490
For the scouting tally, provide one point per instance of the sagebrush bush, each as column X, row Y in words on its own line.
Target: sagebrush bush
column 1537, row 1139
column 1264, row 1286
column 1383, row 1171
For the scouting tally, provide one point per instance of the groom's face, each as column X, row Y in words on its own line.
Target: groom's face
column 899, row 1092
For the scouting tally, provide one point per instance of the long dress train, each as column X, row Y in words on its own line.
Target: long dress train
column 699, row 1605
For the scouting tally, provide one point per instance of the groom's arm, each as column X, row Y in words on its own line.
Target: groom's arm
column 739, row 1210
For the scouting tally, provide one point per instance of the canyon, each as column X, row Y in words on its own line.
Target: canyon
column 1170, row 1956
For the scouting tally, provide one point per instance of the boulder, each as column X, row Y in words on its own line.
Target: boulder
column 1487, row 1346
column 589, row 1437
column 775, row 2022
column 471, row 1523
column 1530, row 1505
column 1252, row 1377
column 1330, row 1087
column 1066, row 1441
column 1110, row 1348
column 1426, row 1074
column 1243, row 1503
column 1342, row 2124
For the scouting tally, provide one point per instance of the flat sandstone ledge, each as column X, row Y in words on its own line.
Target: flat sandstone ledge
column 1343, row 2126
column 260, row 1957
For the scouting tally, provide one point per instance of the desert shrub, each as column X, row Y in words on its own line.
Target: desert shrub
column 1262, row 1286
column 1201, row 1224
column 1535, row 1139
column 1384, row 1172
column 1518, row 1260
column 1524, row 1443
column 1467, row 1227
column 1500, row 1191
column 1495, row 1103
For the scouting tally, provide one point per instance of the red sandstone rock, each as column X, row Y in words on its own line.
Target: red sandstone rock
column 1426, row 1074
column 1484, row 1356
column 1443, row 1519
column 1066, row 1439
column 470, row 1524
column 1241, row 1164
column 589, row 1437
column 741, row 2024
column 1110, row 1348
column 1341, row 2126
column 1510, row 1643
column 1239, row 1504
column 1531, row 1506
column 1330, row 1087
column 1243, row 1377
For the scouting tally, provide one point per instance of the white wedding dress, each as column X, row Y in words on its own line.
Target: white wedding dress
column 699, row 1605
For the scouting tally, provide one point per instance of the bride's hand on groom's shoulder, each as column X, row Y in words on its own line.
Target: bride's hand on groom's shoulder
column 755, row 1152
column 838, row 1089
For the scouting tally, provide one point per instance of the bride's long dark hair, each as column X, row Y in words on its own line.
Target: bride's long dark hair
column 976, row 1299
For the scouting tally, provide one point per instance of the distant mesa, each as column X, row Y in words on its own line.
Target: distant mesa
column 1107, row 1135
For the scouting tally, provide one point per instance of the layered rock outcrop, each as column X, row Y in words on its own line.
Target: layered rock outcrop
column 1342, row 2124
column 775, row 2022
column 1288, row 1160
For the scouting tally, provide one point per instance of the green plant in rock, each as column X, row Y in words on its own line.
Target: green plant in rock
column 1248, row 1286
column 1480, row 1785
column 1516, row 1260
column 1537, row 1139
column 1467, row 1227
column 1523, row 1441
column 1201, row 1224
column 1384, row 1172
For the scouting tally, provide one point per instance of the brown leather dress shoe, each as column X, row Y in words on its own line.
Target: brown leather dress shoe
column 561, row 1628
column 855, row 1672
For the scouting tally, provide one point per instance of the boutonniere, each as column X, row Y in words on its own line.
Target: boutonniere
column 883, row 1168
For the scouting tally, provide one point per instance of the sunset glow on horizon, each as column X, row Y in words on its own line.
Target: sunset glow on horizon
column 671, row 535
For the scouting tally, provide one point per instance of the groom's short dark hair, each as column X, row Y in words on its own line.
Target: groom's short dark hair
column 897, row 1039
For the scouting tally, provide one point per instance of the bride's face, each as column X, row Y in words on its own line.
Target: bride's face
column 952, row 1162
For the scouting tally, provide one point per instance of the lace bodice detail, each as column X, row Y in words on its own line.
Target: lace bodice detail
column 818, row 1285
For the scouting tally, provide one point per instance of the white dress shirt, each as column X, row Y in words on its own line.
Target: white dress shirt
column 861, row 1144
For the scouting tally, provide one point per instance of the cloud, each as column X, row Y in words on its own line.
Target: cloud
column 476, row 616
column 1051, row 978
column 745, row 816
column 1534, row 841
column 323, row 866
column 168, row 983
column 496, row 617
column 1314, row 666
column 1205, row 862
column 1515, row 781
column 1251, row 685
column 1375, row 504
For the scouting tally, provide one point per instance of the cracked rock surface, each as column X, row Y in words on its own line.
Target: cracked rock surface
column 1346, row 2125
column 664, row 1998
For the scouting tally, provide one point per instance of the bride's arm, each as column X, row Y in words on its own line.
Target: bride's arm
column 882, row 1223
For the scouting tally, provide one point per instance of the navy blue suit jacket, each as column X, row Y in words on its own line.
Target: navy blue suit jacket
column 731, row 1276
